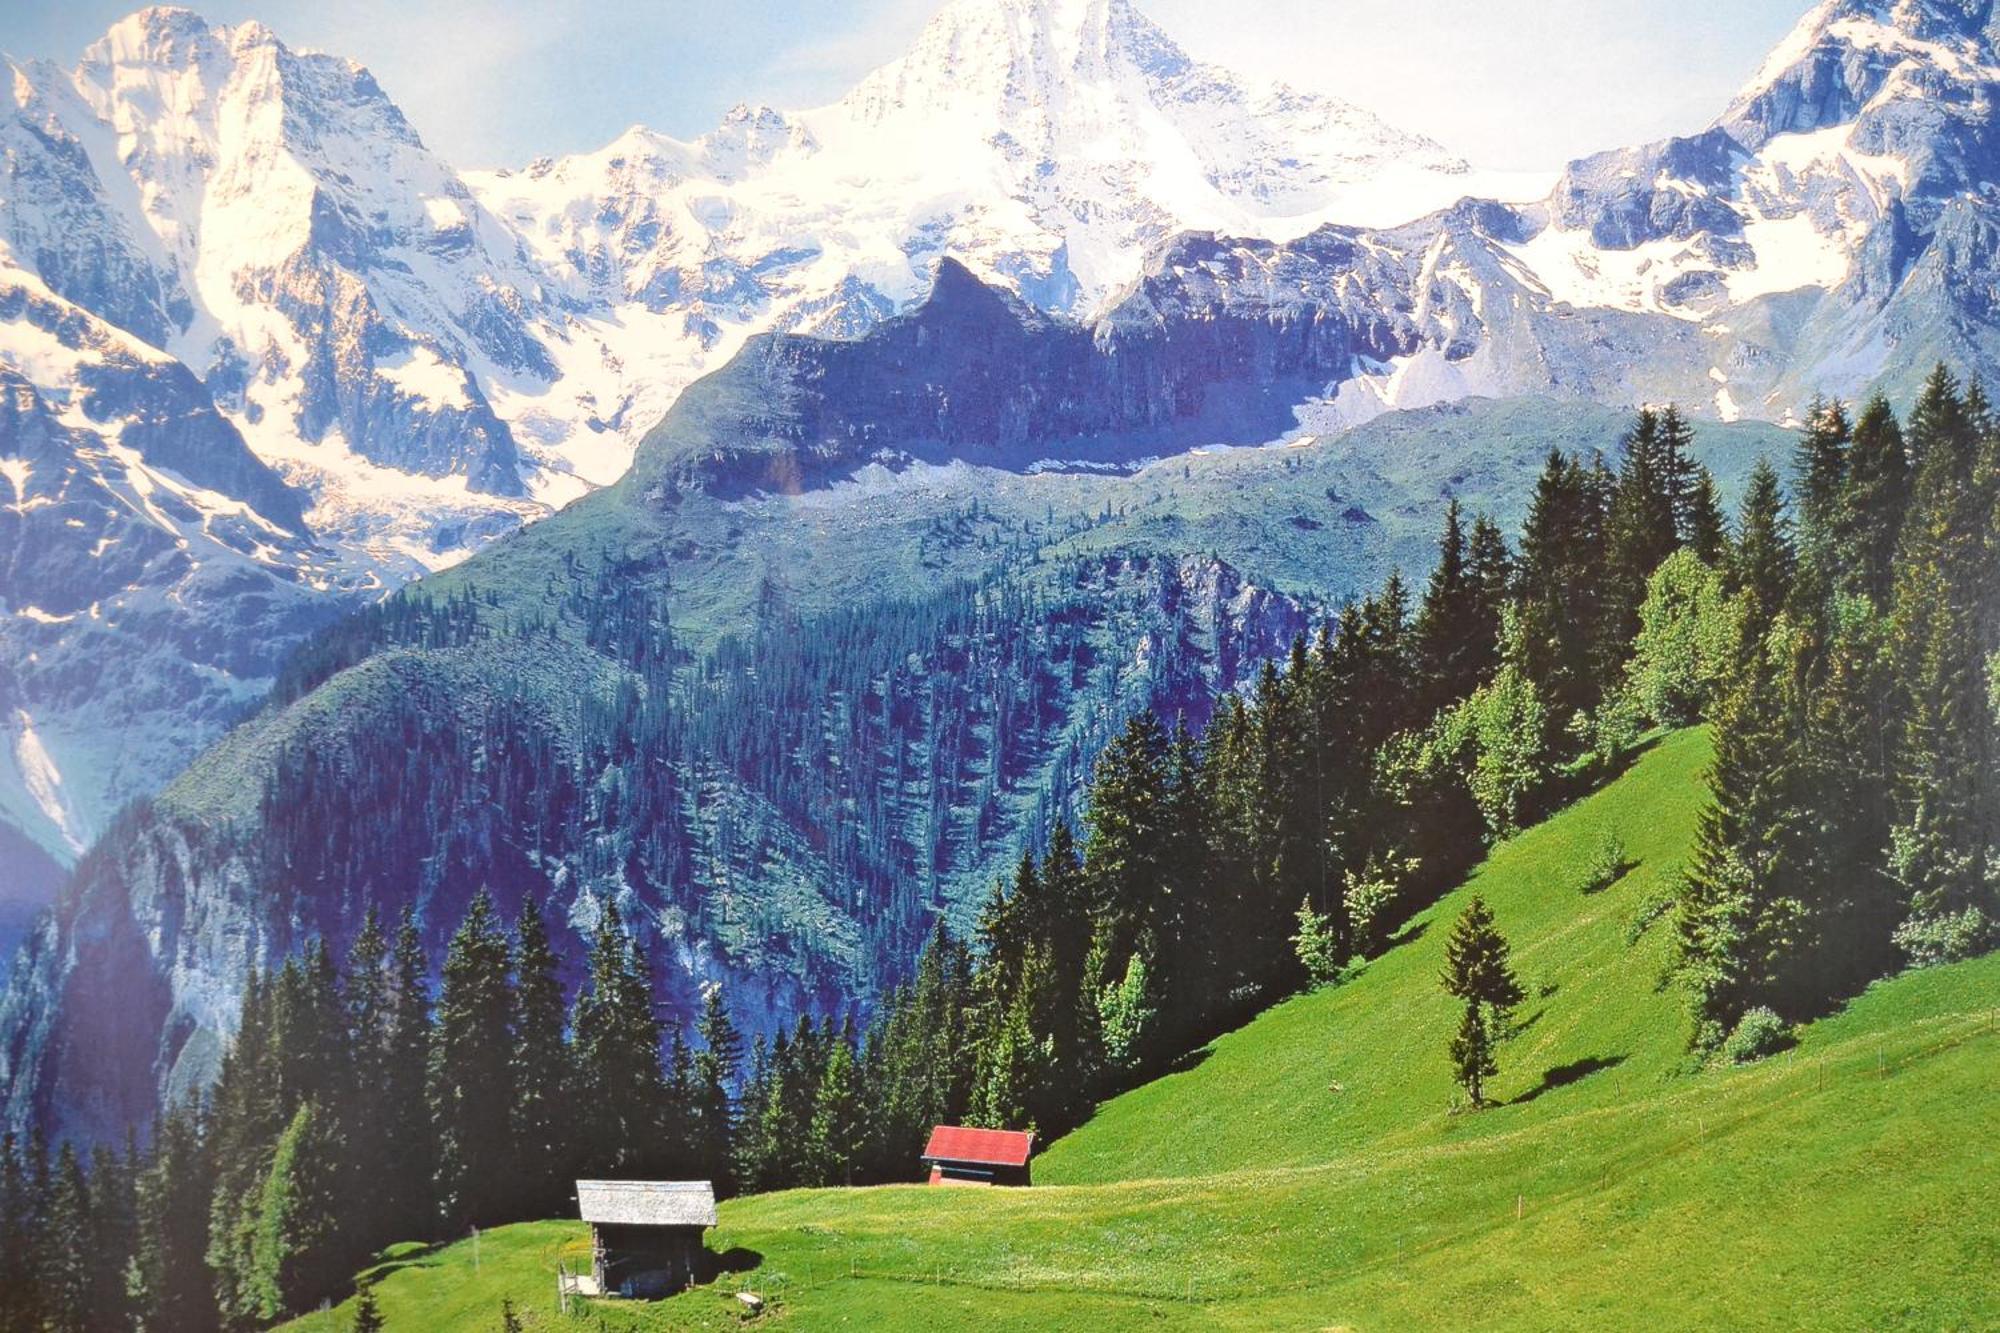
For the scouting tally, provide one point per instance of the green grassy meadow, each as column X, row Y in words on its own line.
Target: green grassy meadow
column 1310, row 1171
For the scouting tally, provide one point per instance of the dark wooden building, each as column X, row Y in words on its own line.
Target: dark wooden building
column 645, row 1234
column 960, row 1156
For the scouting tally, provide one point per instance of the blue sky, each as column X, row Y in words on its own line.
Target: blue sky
column 1507, row 83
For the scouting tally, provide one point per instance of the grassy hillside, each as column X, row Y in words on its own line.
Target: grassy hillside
column 1308, row 1172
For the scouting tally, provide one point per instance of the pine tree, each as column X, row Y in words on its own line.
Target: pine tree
column 1706, row 535
column 1682, row 473
column 1739, row 914
column 245, row 1121
column 1558, row 640
column 1946, row 818
column 367, row 1312
column 1870, row 520
column 838, row 1126
column 170, row 1278
column 1641, row 530
column 1477, row 972
column 406, row 1133
column 1819, row 468
column 20, row 1241
column 295, row 1258
column 1763, row 560
column 715, row 1072
column 113, row 1233
column 541, row 1080
column 1013, row 1066
column 617, row 1053
column 1448, row 646
column 367, row 995
column 469, row 1068
column 66, row 1257
column 1490, row 569
column 1128, row 834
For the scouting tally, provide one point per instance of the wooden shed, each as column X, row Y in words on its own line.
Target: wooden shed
column 960, row 1156
column 645, row 1234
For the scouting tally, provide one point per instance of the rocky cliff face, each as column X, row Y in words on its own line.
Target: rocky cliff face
column 153, row 571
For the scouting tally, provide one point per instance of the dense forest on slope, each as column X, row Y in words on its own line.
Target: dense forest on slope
column 1839, row 642
column 1008, row 598
column 1311, row 1168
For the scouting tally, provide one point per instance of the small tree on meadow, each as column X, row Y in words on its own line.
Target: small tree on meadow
column 1317, row 945
column 367, row 1315
column 1477, row 971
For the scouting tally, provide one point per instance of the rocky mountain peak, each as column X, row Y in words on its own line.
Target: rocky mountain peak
column 1846, row 57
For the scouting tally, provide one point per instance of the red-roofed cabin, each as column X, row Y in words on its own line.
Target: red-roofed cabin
column 959, row 1156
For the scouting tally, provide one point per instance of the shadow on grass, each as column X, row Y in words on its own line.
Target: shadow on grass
column 1610, row 876
column 1574, row 1072
column 1193, row 1059
column 1409, row 934
column 736, row 1259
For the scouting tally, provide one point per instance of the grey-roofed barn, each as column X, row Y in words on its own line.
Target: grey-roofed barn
column 645, row 1234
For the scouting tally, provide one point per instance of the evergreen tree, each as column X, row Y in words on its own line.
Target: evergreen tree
column 245, row 1121
column 1763, row 560
column 1557, row 641
column 64, row 1270
column 1819, row 467
column 541, row 1083
column 169, row 1274
column 1870, row 519
column 1128, row 836
column 1455, row 637
column 367, row 1313
column 1641, row 530
column 295, row 1258
column 469, row 1070
column 715, row 1071
column 1945, row 817
column 839, row 1127
column 1739, row 914
column 677, row 1111
column 20, row 1241
column 1706, row 535
column 406, row 1133
column 1490, row 570
column 1477, row 972
column 368, row 1002
column 114, row 1236
column 1013, row 1065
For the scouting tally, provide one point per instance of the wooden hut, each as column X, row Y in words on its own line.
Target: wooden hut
column 645, row 1235
column 961, row 1156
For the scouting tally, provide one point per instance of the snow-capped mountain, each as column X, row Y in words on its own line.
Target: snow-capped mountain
column 430, row 359
column 1046, row 143
column 1049, row 145
column 1834, row 231
column 152, row 569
